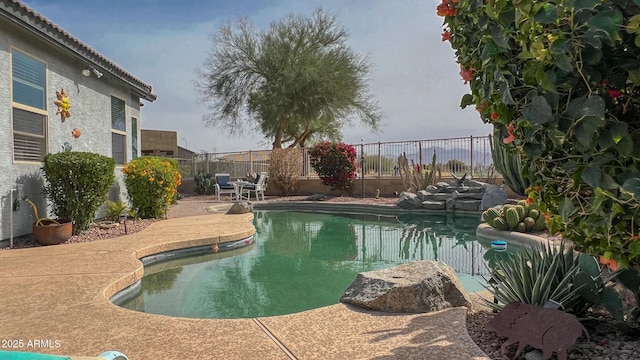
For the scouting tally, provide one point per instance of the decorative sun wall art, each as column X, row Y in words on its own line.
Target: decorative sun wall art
column 63, row 105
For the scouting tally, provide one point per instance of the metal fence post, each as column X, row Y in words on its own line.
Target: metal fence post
column 420, row 156
column 362, row 164
column 193, row 165
column 379, row 160
column 307, row 162
column 471, row 139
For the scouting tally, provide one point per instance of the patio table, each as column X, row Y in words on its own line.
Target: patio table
column 238, row 185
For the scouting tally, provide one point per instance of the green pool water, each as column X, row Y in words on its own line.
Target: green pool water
column 305, row 260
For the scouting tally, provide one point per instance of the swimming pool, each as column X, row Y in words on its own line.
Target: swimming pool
column 305, row 260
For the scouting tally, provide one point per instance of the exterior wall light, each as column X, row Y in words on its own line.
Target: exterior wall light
column 90, row 69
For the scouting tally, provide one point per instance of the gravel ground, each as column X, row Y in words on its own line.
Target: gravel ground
column 606, row 341
column 98, row 231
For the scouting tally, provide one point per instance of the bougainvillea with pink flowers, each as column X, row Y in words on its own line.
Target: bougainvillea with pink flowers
column 335, row 164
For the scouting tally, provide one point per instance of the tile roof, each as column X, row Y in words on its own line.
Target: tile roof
column 28, row 18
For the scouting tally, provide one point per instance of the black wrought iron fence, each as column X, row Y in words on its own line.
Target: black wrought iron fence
column 464, row 155
column 470, row 155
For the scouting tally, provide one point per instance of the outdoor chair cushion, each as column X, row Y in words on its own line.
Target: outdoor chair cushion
column 255, row 183
column 223, row 182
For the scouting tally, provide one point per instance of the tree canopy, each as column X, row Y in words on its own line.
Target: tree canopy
column 295, row 82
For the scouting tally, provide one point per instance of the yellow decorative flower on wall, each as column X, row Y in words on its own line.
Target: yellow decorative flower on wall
column 63, row 105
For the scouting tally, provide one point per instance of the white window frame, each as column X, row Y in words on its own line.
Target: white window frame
column 43, row 138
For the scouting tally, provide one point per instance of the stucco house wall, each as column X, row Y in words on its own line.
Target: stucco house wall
column 90, row 99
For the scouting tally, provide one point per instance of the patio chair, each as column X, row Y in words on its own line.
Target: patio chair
column 258, row 188
column 223, row 185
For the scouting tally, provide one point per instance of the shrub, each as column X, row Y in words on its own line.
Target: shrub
column 284, row 169
column 152, row 184
column 335, row 164
column 77, row 183
column 205, row 184
column 561, row 82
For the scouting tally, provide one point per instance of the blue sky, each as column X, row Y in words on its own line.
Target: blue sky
column 414, row 77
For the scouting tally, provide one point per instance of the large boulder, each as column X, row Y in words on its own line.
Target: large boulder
column 468, row 205
column 422, row 195
column 408, row 200
column 474, row 183
column 415, row 287
column 241, row 207
column 493, row 196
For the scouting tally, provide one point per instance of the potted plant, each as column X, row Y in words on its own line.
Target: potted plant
column 48, row 231
column 77, row 183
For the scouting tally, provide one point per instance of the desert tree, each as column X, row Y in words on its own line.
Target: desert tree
column 296, row 82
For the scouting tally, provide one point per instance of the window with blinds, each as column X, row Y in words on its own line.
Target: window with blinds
column 29, row 107
column 29, row 140
column 117, row 114
column 29, row 80
column 118, row 130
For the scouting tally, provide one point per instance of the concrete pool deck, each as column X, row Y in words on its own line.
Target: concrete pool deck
column 60, row 293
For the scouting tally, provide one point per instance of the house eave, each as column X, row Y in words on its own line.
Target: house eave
column 40, row 26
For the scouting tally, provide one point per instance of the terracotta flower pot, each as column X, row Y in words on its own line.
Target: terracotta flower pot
column 49, row 233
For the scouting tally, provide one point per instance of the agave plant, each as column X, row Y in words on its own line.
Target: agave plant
column 544, row 273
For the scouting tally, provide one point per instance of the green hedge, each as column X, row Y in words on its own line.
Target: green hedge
column 77, row 184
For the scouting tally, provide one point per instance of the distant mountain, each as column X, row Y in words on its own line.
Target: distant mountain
column 443, row 155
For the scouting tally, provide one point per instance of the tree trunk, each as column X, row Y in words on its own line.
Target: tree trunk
column 277, row 142
column 302, row 138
